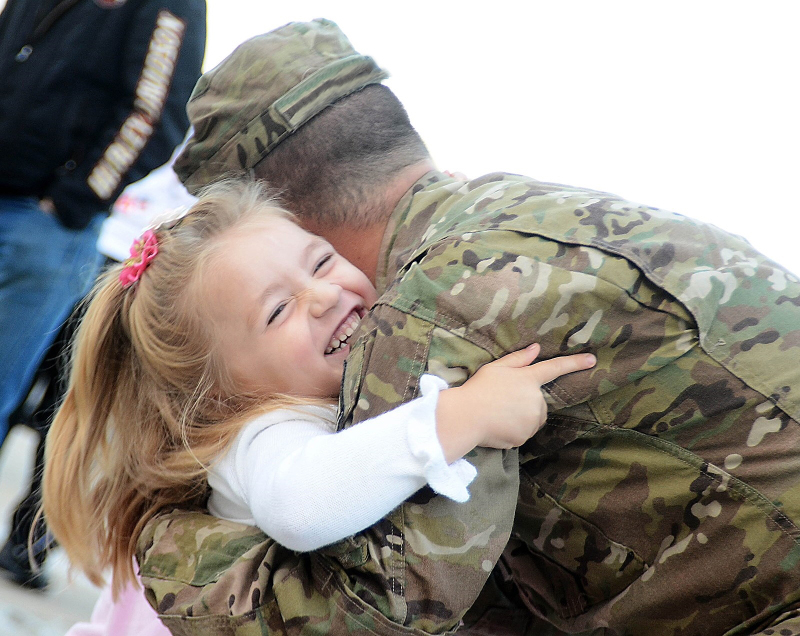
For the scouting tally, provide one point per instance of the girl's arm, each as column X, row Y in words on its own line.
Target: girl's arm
column 307, row 487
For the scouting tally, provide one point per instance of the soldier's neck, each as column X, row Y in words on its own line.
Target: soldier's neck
column 362, row 246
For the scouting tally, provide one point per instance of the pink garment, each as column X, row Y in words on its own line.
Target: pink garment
column 131, row 615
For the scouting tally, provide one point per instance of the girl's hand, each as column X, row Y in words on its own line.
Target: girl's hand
column 502, row 405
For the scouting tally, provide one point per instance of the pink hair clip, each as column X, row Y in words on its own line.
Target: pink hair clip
column 143, row 250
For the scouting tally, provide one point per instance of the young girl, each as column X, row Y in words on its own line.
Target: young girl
column 211, row 360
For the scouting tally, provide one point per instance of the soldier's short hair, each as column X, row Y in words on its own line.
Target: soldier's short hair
column 335, row 169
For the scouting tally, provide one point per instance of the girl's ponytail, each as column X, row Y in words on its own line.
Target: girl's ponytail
column 77, row 491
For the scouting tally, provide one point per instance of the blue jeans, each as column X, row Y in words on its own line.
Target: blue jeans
column 45, row 269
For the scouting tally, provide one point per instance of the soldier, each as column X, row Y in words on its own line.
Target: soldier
column 664, row 494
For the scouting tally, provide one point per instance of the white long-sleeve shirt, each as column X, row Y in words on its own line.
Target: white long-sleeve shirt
column 305, row 485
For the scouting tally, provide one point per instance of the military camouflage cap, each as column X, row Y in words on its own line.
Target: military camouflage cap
column 264, row 91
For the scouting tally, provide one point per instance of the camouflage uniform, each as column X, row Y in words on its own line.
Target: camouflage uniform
column 662, row 497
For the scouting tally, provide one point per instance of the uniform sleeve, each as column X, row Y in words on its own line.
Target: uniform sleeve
column 307, row 486
column 162, row 59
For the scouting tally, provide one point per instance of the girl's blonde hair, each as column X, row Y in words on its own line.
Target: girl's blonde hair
column 149, row 404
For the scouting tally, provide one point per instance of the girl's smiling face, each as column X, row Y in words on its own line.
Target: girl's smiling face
column 283, row 305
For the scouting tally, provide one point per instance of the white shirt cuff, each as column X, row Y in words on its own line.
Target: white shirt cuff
column 448, row 480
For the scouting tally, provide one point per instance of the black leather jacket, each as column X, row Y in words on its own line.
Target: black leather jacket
column 93, row 95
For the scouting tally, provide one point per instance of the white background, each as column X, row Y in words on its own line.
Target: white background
column 688, row 105
column 692, row 106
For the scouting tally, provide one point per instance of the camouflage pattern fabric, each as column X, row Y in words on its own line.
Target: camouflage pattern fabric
column 662, row 497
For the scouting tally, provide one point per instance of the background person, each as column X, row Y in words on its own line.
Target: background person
column 159, row 193
column 92, row 97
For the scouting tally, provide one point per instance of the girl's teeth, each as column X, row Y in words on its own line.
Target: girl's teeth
column 348, row 328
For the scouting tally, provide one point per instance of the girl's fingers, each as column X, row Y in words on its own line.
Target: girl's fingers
column 521, row 358
column 548, row 370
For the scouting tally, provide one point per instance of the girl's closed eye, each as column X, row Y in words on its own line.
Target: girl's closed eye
column 322, row 262
column 276, row 312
